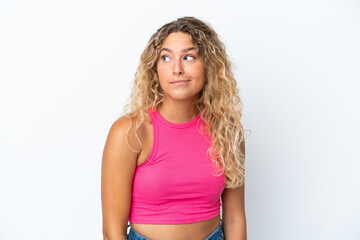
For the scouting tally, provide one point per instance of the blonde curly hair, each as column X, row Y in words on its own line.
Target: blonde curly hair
column 219, row 104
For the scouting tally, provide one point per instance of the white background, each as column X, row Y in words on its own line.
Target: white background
column 66, row 69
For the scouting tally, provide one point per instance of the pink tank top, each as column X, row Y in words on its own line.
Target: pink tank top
column 177, row 183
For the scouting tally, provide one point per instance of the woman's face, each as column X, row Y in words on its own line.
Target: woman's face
column 179, row 61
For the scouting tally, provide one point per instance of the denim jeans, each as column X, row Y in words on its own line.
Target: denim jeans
column 215, row 235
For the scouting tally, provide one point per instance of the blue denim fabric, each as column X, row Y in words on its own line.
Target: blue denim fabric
column 215, row 235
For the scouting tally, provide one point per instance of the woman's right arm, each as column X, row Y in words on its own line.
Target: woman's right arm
column 117, row 174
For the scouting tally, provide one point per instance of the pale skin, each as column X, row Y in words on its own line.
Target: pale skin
column 178, row 60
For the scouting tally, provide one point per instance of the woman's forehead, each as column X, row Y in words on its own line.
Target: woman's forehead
column 178, row 41
column 184, row 50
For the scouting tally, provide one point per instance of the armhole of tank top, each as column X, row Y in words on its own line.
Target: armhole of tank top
column 154, row 143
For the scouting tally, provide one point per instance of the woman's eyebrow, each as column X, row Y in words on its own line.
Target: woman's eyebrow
column 185, row 50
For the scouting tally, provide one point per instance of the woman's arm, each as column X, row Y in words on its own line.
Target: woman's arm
column 233, row 214
column 233, row 211
column 117, row 174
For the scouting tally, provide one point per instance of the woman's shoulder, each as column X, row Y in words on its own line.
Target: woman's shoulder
column 126, row 126
column 134, row 118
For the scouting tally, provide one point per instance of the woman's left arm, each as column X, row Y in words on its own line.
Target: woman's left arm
column 233, row 211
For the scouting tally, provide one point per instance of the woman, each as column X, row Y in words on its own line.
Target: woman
column 165, row 174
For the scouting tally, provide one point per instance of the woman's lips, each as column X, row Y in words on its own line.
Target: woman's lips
column 180, row 82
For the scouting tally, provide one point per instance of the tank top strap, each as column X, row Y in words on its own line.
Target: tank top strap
column 152, row 113
column 155, row 139
column 151, row 110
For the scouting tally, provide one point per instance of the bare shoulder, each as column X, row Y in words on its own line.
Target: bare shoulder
column 120, row 150
column 117, row 174
column 124, row 128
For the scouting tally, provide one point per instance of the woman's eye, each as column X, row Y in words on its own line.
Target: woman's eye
column 190, row 57
column 164, row 58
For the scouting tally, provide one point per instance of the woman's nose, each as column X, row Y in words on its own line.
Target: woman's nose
column 178, row 68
